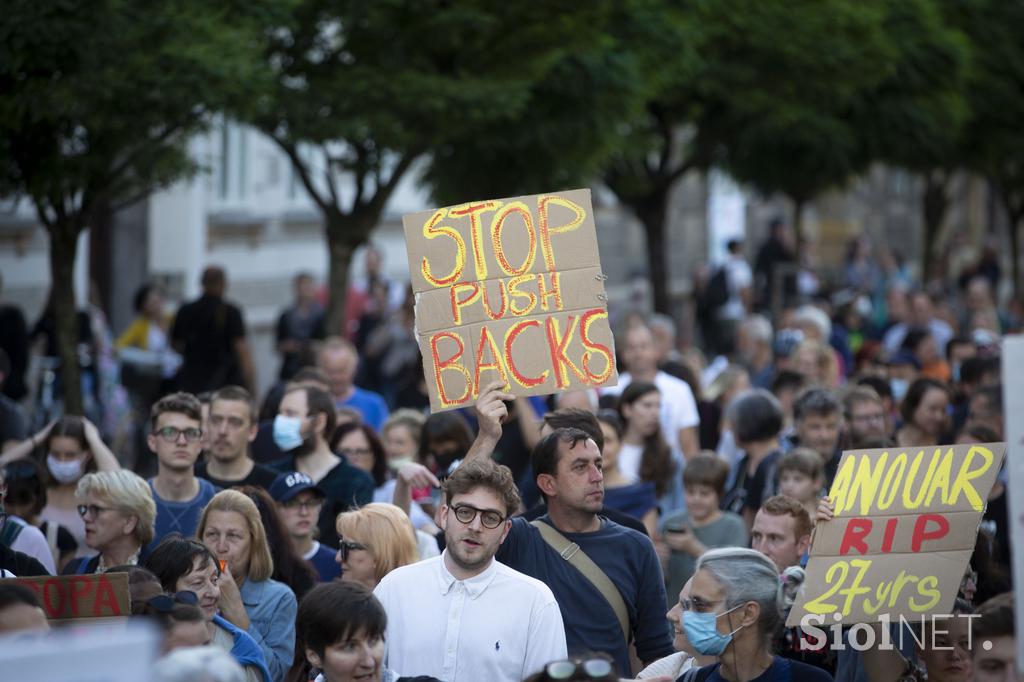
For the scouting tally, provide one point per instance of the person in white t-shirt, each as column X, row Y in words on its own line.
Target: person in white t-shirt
column 489, row 621
column 679, row 418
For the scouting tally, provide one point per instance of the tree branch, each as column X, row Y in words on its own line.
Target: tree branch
column 329, row 176
column 292, row 152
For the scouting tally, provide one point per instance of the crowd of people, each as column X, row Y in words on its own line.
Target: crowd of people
column 656, row 529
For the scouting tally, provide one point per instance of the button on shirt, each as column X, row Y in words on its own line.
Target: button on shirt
column 498, row 625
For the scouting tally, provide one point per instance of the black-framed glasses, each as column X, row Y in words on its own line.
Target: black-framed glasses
column 164, row 603
column 92, row 509
column 311, row 504
column 170, row 433
column 488, row 517
column 593, row 668
column 346, row 546
column 698, row 604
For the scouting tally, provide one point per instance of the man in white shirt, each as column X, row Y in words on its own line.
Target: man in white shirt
column 23, row 537
column 489, row 622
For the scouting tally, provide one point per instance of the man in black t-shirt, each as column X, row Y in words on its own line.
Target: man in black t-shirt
column 210, row 335
column 232, row 427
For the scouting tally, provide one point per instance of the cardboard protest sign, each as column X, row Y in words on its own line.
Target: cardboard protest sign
column 67, row 597
column 904, row 530
column 509, row 289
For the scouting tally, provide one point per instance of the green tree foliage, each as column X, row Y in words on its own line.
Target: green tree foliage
column 994, row 138
column 97, row 103
column 363, row 90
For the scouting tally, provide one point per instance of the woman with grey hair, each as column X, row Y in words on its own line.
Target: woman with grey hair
column 737, row 602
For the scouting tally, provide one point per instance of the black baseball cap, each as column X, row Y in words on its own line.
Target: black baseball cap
column 286, row 486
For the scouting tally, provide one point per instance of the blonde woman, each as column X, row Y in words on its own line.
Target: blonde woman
column 119, row 513
column 232, row 530
column 373, row 541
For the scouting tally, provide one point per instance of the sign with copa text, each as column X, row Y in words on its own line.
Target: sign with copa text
column 904, row 529
column 510, row 290
column 66, row 597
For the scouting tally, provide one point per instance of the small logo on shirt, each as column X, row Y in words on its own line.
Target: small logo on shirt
column 497, row 645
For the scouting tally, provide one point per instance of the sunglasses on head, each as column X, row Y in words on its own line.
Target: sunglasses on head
column 165, row 603
column 346, row 546
column 593, row 668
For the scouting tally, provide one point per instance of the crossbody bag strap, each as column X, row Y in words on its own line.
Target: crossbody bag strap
column 572, row 553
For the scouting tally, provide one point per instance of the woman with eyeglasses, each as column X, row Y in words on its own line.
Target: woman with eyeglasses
column 119, row 514
column 340, row 632
column 184, row 565
column 232, row 529
column 69, row 448
column 736, row 605
column 373, row 541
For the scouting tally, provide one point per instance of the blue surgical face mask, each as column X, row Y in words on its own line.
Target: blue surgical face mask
column 287, row 432
column 702, row 631
column 899, row 389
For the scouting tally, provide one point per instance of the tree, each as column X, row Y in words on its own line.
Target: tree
column 994, row 138
column 765, row 86
column 363, row 91
column 915, row 117
column 98, row 101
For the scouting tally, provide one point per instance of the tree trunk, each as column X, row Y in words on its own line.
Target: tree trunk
column 935, row 203
column 101, row 270
column 343, row 238
column 651, row 211
column 798, row 225
column 63, row 246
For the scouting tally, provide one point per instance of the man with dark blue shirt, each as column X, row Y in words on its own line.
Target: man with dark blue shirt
column 567, row 465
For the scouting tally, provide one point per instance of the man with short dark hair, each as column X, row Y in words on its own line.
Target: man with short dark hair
column 304, row 423
column 818, row 418
column 567, row 464
column 986, row 409
column 864, row 417
column 466, row 587
column 176, row 438
column 232, row 427
column 210, row 335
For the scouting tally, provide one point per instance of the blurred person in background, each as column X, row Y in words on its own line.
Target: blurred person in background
column 925, row 415
column 298, row 326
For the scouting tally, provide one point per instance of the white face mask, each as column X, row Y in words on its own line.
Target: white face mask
column 64, row 472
